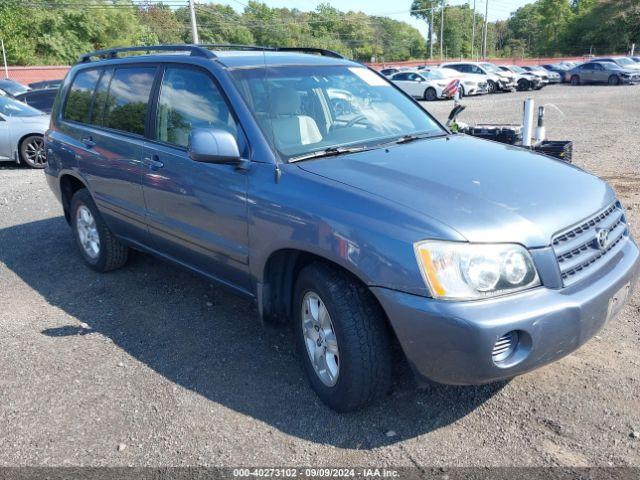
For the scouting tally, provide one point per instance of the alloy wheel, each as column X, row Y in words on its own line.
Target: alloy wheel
column 88, row 232
column 35, row 153
column 320, row 339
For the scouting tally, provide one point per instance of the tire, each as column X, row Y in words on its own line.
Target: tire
column 575, row 80
column 491, row 86
column 430, row 95
column 356, row 324
column 111, row 253
column 524, row 85
column 32, row 152
column 614, row 80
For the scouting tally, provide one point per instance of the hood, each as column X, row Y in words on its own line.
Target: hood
column 35, row 119
column 486, row 191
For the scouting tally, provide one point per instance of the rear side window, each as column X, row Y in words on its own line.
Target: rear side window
column 126, row 103
column 189, row 99
column 100, row 100
column 80, row 95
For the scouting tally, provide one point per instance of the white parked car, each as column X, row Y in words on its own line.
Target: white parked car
column 496, row 79
column 21, row 133
column 469, row 84
column 419, row 86
column 524, row 80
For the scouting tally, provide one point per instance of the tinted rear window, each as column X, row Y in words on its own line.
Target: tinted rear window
column 126, row 103
column 80, row 95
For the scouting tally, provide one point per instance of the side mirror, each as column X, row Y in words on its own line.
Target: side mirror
column 213, row 145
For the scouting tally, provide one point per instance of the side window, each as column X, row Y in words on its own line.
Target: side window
column 100, row 100
column 126, row 104
column 80, row 95
column 401, row 76
column 189, row 99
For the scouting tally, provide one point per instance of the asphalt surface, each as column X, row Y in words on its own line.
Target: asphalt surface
column 150, row 365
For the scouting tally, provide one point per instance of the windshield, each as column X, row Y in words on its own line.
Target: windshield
column 625, row 61
column 435, row 74
column 14, row 88
column 490, row 67
column 517, row 69
column 13, row 108
column 304, row 109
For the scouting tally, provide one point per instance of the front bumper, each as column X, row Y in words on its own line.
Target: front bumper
column 507, row 85
column 452, row 342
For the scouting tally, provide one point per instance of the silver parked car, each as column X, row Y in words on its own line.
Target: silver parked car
column 21, row 133
column 602, row 72
column 524, row 80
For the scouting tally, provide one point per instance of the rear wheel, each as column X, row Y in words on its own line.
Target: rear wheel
column 32, row 151
column 99, row 248
column 614, row 80
column 575, row 80
column 342, row 338
column 430, row 94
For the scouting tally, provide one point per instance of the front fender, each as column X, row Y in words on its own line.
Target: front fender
column 368, row 236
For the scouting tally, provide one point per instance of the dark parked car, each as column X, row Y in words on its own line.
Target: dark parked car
column 12, row 87
column 559, row 68
column 602, row 72
column 40, row 99
column 482, row 260
column 46, row 84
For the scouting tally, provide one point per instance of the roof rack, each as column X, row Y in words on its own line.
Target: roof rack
column 195, row 50
column 322, row 51
column 233, row 46
column 200, row 50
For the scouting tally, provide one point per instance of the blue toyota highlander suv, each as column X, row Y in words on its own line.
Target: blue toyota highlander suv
column 312, row 185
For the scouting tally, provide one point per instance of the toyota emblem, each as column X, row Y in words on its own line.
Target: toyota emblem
column 602, row 236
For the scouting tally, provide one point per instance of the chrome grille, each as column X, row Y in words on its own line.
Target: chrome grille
column 578, row 250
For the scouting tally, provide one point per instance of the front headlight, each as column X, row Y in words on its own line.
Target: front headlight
column 467, row 271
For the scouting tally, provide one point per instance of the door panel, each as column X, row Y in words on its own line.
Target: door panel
column 196, row 212
column 5, row 139
column 113, row 154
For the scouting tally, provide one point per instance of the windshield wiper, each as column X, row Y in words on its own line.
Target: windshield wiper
column 413, row 137
column 328, row 152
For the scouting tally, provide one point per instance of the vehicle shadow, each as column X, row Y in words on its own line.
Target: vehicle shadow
column 210, row 341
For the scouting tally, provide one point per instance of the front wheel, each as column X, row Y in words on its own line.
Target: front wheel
column 524, row 85
column 491, row 85
column 342, row 338
column 32, row 151
column 430, row 94
column 575, row 80
column 100, row 249
column 614, row 80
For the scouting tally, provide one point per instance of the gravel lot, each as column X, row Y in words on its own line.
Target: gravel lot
column 183, row 373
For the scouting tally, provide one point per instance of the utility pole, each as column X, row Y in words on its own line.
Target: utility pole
column 194, row 27
column 473, row 28
column 441, row 39
column 486, row 23
column 431, row 35
column 4, row 58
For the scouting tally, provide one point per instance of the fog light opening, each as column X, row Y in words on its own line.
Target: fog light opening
column 505, row 346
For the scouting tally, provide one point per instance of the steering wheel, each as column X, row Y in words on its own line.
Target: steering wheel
column 355, row 120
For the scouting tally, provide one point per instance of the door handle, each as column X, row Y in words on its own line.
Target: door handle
column 153, row 163
column 88, row 141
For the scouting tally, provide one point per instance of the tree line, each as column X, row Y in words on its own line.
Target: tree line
column 544, row 28
column 58, row 31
